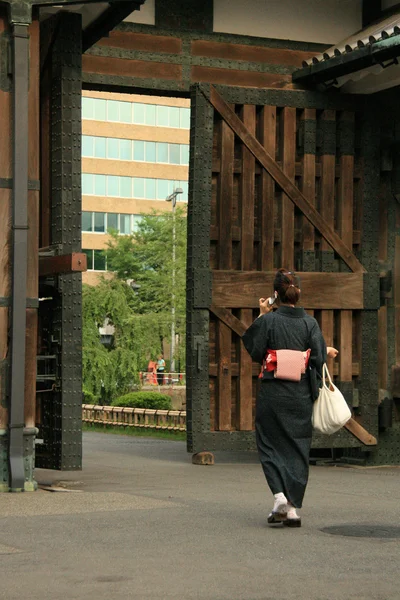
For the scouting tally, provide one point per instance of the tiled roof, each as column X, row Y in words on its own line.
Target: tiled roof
column 389, row 27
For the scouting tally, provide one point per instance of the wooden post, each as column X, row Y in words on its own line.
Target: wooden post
column 5, row 264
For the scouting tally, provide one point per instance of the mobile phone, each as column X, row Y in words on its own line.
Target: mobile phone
column 271, row 300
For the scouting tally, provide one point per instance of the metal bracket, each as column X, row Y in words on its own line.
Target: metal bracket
column 198, row 345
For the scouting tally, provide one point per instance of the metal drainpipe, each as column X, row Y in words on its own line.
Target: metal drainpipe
column 20, row 74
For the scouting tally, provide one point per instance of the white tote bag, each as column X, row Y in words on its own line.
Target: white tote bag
column 330, row 411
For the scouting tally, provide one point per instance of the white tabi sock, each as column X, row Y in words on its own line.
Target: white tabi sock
column 280, row 504
column 291, row 513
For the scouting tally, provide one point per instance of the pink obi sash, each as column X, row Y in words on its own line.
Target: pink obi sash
column 287, row 364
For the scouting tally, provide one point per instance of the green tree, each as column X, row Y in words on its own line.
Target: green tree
column 147, row 258
column 140, row 313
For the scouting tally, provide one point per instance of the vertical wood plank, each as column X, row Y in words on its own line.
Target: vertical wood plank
column 244, row 414
column 5, row 232
column 308, row 118
column 267, row 135
column 247, row 195
column 289, row 167
column 345, row 226
column 224, row 336
column 225, row 199
column 224, row 377
column 327, row 210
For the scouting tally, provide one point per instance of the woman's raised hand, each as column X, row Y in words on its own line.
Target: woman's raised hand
column 265, row 307
column 332, row 352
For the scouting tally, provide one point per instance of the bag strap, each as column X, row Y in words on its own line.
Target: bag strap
column 325, row 373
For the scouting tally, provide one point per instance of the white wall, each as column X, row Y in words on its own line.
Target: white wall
column 325, row 21
column 146, row 15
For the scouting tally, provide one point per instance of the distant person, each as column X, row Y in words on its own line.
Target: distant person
column 160, row 369
column 289, row 386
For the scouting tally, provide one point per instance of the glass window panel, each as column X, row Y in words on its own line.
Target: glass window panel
column 151, row 189
column 185, row 118
column 87, row 221
column 99, row 222
column 87, row 108
column 163, row 116
column 150, row 152
column 125, row 224
column 100, row 147
column 171, row 186
column 184, row 154
column 174, row 154
column 162, row 152
column 87, row 145
column 99, row 260
column 136, row 220
column 138, row 113
column 125, row 190
column 100, row 185
column 89, row 254
column 138, row 150
column 138, row 187
column 113, row 186
column 125, row 149
column 100, row 109
column 112, row 148
column 113, row 110
column 162, row 189
column 112, row 221
column 87, row 183
column 150, row 112
column 173, row 116
column 125, row 112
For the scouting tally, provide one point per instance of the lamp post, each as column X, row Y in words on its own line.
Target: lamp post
column 173, row 198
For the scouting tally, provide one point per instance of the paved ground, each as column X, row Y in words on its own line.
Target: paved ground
column 150, row 525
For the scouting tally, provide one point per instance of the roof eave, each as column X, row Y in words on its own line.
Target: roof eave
column 113, row 16
column 344, row 64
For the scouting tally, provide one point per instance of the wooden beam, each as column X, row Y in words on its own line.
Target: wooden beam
column 360, row 433
column 242, row 289
column 227, row 317
column 66, row 263
column 288, row 186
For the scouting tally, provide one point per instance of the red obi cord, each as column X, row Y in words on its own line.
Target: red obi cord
column 270, row 361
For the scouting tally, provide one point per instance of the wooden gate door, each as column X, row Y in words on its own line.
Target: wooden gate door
column 279, row 179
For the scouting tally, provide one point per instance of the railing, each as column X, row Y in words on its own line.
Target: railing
column 167, row 420
column 150, row 378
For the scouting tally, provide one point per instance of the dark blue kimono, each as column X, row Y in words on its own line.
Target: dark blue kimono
column 284, row 408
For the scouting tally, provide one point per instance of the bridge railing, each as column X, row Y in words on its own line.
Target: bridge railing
column 167, row 420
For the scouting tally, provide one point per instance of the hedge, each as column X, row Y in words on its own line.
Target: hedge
column 152, row 400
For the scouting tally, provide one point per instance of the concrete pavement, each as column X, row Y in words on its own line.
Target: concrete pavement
column 147, row 524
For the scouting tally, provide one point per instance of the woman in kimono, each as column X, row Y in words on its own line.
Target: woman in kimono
column 284, row 407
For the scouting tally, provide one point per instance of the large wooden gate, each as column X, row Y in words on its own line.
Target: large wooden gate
column 279, row 178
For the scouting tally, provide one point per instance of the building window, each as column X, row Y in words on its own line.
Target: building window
column 135, row 112
column 87, row 224
column 89, row 254
column 120, row 149
column 99, row 222
column 131, row 187
column 99, row 260
column 112, row 221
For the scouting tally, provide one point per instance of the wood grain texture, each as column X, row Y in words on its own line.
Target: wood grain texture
column 267, row 136
column 244, row 420
column 224, row 382
column 142, row 41
column 130, row 68
column 240, row 78
column 247, row 193
column 229, row 319
column 308, row 185
column 234, row 289
column 284, row 182
column 288, row 137
column 225, row 197
column 360, row 433
column 257, row 54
